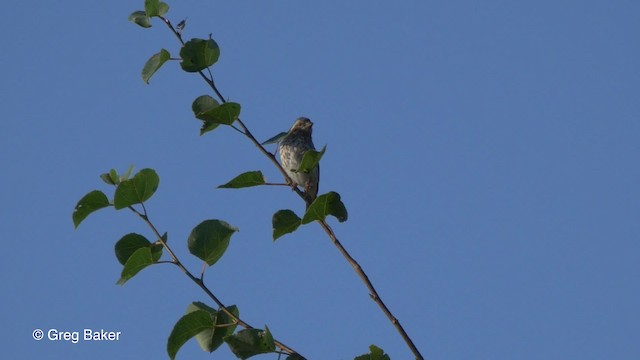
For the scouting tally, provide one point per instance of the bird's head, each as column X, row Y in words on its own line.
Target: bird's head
column 302, row 124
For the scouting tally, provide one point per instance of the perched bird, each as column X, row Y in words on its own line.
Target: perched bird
column 292, row 148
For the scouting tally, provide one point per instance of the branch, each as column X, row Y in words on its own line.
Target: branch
column 372, row 290
column 358, row 269
column 200, row 282
column 243, row 128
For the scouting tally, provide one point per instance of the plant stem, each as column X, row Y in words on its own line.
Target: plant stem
column 358, row 269
column 199, row 281
column 372, row 290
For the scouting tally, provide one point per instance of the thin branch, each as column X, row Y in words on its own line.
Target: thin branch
column 236, row 129
column 358, row 269
column 165, row 262
column 243, row 128
column 372, row 290
column 365, row 279
column 199, row 281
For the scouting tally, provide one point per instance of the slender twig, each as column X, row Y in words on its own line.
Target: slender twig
column 372, row 290
column 144, row 216
column 275, row 184
column 358, row 269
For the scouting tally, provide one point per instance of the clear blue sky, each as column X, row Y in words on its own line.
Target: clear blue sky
column 487, row 153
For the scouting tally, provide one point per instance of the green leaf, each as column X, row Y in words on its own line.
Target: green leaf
column 155, row 8
column 247, row 179
column 153, row 64
column 275, row 139
column 112, row 177
column 375, row 354
column 108, row 179
column 326, row 204
column 249, row 342
column 130, row 243
column 89, row 203
column 139, row 260
column 310, row 159
column 201, row 105
column 199, row 54
column 210, row 239
column 224, row 114
column 210, row 339
column 284, row 222
column 140, row 18
column 187, row 327
column 137, row 189
column 205, row 337
column 197, row 305
column 225, row 324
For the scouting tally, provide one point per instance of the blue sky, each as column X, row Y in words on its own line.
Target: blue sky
column 486, row 151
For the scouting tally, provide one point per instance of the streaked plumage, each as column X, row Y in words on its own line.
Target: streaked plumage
column 292, row 149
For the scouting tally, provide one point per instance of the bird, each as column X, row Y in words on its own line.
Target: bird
column 292, row 149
